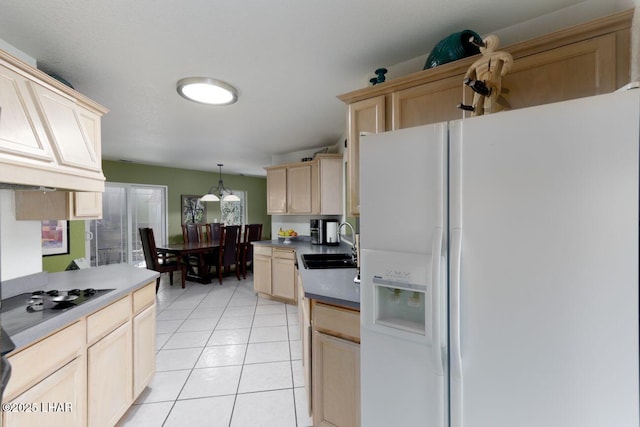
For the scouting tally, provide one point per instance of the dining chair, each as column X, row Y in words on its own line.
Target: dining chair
column 229, row 254
column 191, row 233
column 252, row 233
column 160, row 262
column 212, row 234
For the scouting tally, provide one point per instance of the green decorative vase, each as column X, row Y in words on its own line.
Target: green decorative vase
column 453, row 47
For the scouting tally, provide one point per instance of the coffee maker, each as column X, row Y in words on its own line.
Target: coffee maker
column 316, row 230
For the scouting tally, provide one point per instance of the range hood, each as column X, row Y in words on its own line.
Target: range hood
column 50, row 135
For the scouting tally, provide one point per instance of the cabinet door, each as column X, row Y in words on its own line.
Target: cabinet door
column 262, row 274
column 87, row 205
column 283, row 274
column 277, row 191
column 21, row 132
column 577, row 70
column 73, row 131
column 336, row 381
column 144, row 349
column 363, row 116
column 59, row 399
column 429, row 103
column 110, row 388
column 38, row 205
column 299, row 189
column 330, row 186
column 304, row 320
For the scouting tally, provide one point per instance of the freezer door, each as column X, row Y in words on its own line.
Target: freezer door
column 544, row 266
column 403, row 188
column 403, row 288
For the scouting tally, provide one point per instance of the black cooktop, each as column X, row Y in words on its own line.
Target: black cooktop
column 18, row 312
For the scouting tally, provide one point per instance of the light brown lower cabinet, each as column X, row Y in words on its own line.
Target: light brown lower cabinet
column 262, row 270
column 56, row 401
column 335, row 366
column 144, row 349
column 88, row 373
column 304, row 320
column 109, row 377
column 274, row 272
column 283, row 274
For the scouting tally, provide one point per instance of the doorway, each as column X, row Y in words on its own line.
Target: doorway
column 126, row 207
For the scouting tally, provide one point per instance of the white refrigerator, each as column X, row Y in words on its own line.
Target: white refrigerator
column 499, row 283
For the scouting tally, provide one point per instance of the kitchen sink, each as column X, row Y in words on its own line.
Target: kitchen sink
column 317, row 261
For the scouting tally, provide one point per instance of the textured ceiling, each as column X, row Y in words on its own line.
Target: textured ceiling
column 289, row 59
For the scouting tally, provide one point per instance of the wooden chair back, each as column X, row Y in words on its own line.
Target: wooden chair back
column 213, row 231
column 252, row 233
column 152, row 258
column 229, row 254
column 149, row 248
column 192, row 232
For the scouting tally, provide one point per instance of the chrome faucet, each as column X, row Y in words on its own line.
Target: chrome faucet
column 354, row 249
column 353, row 234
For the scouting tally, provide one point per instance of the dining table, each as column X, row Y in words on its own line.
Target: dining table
column 197, row 249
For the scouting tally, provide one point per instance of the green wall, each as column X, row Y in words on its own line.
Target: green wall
column 184, row 181
column 55, row 263
column 178, row 182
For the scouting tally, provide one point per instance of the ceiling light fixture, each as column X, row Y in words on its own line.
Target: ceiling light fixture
column 206, row 90
column 219, row 192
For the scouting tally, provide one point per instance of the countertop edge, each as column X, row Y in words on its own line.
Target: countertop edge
column 123, row 278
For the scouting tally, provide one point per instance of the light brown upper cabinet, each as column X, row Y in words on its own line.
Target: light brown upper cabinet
column 277, row 190
column 584, row 60
column 299, row 189
column 38, row 205
column 306, row 188
column 49, row 133
column 366, row 116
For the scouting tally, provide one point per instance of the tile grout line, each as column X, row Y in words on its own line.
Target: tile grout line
column 238, row 290
column 203, row 347
column 244, row 358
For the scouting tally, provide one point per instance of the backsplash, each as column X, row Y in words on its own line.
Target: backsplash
column 20, row 241
column 299, row 223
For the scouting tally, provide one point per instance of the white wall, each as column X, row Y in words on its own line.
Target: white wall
column 20, row 241
column 17, row 53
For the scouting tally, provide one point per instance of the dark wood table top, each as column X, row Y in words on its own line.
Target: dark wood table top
column 188, row 247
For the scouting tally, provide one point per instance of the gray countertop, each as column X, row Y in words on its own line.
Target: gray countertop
column 332, row 285
column 123, row 278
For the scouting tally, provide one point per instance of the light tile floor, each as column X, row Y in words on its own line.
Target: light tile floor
column 225, row 357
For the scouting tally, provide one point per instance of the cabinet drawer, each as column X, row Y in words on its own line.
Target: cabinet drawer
column 144, row 297
column 336, row 321
column 104, row 321
column 284, row 253
column 262, row 250
column 41, row 359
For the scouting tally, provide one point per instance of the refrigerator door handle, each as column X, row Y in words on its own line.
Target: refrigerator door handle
column 437, row 326
column 454, row 332
column 436, row 309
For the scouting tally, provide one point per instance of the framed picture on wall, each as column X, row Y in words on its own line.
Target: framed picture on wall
column 234, row 213
column 55, row 237
column 193, row 210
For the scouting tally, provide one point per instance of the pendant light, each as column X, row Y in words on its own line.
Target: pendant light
column 220, row 192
